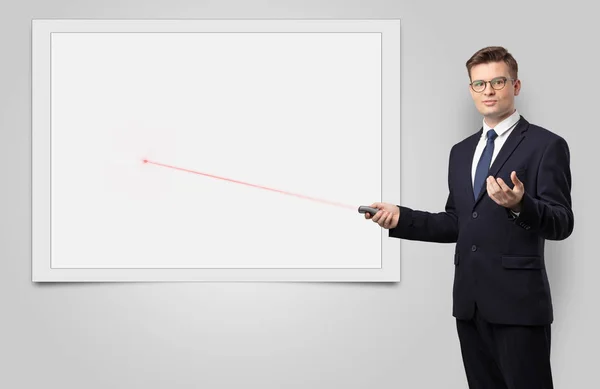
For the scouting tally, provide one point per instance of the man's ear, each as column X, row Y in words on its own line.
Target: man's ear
column 517, row 87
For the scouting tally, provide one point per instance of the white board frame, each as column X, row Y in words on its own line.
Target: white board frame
column 390, row 148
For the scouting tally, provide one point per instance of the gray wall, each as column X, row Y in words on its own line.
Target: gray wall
column 310, row 335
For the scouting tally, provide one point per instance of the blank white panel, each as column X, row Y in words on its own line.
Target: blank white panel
column 261, row 144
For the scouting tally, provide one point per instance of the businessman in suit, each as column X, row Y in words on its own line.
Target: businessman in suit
column 509, row 191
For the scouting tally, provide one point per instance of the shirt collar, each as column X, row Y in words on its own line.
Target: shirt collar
column 504, row 125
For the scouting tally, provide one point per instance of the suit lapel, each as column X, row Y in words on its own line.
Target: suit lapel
column 468, row 169
column 513, row 140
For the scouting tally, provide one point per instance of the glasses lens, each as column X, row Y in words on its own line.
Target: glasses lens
column 478, row 85
column 498, row 83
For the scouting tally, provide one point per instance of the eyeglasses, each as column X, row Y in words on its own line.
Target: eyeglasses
column 496, row 84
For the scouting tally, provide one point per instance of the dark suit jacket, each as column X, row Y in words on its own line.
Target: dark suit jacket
column 499, row 259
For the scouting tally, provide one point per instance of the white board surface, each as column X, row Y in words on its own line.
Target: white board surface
column 197, row 150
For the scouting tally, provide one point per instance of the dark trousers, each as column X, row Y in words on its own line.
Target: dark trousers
column 497, row 356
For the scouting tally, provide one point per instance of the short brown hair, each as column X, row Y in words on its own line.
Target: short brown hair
column 494, row 54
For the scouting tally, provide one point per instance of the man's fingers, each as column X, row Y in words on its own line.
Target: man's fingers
column 514, row 177
column 379, row 217
column 384, row 216
column 493, row 190
column 376, row 217
column 493, row 184
column 498, row 189
column 518, row 183
column 503, row 185
column 388, row 220
column 378, row 205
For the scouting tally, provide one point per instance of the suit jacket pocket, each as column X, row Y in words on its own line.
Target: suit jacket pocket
column 522, row 262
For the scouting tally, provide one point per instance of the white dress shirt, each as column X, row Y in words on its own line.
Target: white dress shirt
column 503, row 129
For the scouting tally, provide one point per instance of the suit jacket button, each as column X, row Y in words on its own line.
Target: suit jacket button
column 474, row 214
column 473, row 248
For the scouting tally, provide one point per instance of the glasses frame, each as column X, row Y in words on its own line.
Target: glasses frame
column 490, row 82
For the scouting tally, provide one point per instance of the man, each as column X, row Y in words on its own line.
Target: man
column 509, row 191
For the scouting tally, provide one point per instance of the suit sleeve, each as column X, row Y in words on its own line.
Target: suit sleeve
column 549, row 213
column 441, row 227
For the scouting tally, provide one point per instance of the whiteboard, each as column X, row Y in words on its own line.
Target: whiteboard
column 213, row 150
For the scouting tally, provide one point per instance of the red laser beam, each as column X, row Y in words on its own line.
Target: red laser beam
column 253, row 185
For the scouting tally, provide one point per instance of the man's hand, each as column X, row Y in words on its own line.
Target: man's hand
column 503, row 195
column 387, row 216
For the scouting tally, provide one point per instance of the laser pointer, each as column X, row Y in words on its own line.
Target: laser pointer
column 365, row 209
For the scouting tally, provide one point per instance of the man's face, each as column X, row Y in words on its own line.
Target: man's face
column 494, row 105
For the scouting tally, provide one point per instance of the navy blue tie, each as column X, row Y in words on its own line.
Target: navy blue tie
column 483, row 166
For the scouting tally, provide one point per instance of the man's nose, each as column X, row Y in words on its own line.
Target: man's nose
column 488, row 89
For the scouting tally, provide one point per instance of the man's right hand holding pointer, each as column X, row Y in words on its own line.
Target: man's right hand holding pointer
column 387, row 216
